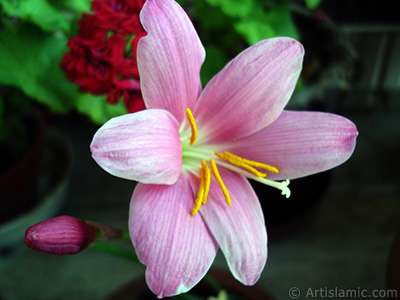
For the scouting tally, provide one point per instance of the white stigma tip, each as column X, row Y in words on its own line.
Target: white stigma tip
column 285, row 189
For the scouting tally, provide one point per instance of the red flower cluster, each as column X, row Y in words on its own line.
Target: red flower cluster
column 102, row 57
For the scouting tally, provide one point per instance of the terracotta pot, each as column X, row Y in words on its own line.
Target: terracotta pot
column 17, row 182
column 138, row 290
column 50, row 180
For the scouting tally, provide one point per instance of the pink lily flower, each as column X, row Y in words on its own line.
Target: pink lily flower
column 192, row 149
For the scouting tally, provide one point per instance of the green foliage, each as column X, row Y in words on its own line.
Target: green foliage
column 39, row 12
column 279, row 19
column 76, row 7
column 255, row 21
column 234, row 8
column 221, row 42
column 98, row 109
column 29, row 59
column 215, row 61
column 311, row 4
column 32, row 42
column 34, row 36
column 254, row 30
column 227, row 27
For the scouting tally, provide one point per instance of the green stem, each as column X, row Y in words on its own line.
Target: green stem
column 125, row 237
column 115, row 250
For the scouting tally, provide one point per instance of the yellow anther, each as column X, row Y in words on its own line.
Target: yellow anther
column 240, row 164
column 200, row 193
column 246, row 164
column 252, row 163
column 221, row 184
column 193, row 126
column 207, row 179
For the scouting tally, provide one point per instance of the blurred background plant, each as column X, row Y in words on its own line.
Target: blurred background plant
column 44, row 43
column 60, row 57
column 226, row 27
column 34, row 36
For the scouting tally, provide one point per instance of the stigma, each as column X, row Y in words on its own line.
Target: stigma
column 248, row 168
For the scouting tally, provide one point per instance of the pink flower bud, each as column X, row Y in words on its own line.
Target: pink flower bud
column 60, row 235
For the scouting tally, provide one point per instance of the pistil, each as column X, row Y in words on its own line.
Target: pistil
column 281, row 185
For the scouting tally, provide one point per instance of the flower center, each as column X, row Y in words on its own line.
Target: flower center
column 229, row 161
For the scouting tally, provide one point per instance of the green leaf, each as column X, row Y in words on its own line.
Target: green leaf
column 311, row 4
column 98, row 109
column 254, row 31
column 39, row 12
column 29, row 59
column 280, row 19
column 234, row 8
column 78, row 6
column 204, row 12
column 275, row 22
column 215, row 61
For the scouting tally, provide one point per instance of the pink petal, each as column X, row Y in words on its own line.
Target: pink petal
column 251, row 91
column 169, row 58
column 300, row 143
column 239, row 229
column 144, row 146
column 175, row 246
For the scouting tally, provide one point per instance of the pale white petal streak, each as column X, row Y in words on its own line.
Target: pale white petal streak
column 144, row 146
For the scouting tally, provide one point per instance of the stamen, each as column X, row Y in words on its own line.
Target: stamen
column 240, row 163
column 252, row 163
column 221, row 184
column 193, row 126
column 200, row 194
column 207, row 179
